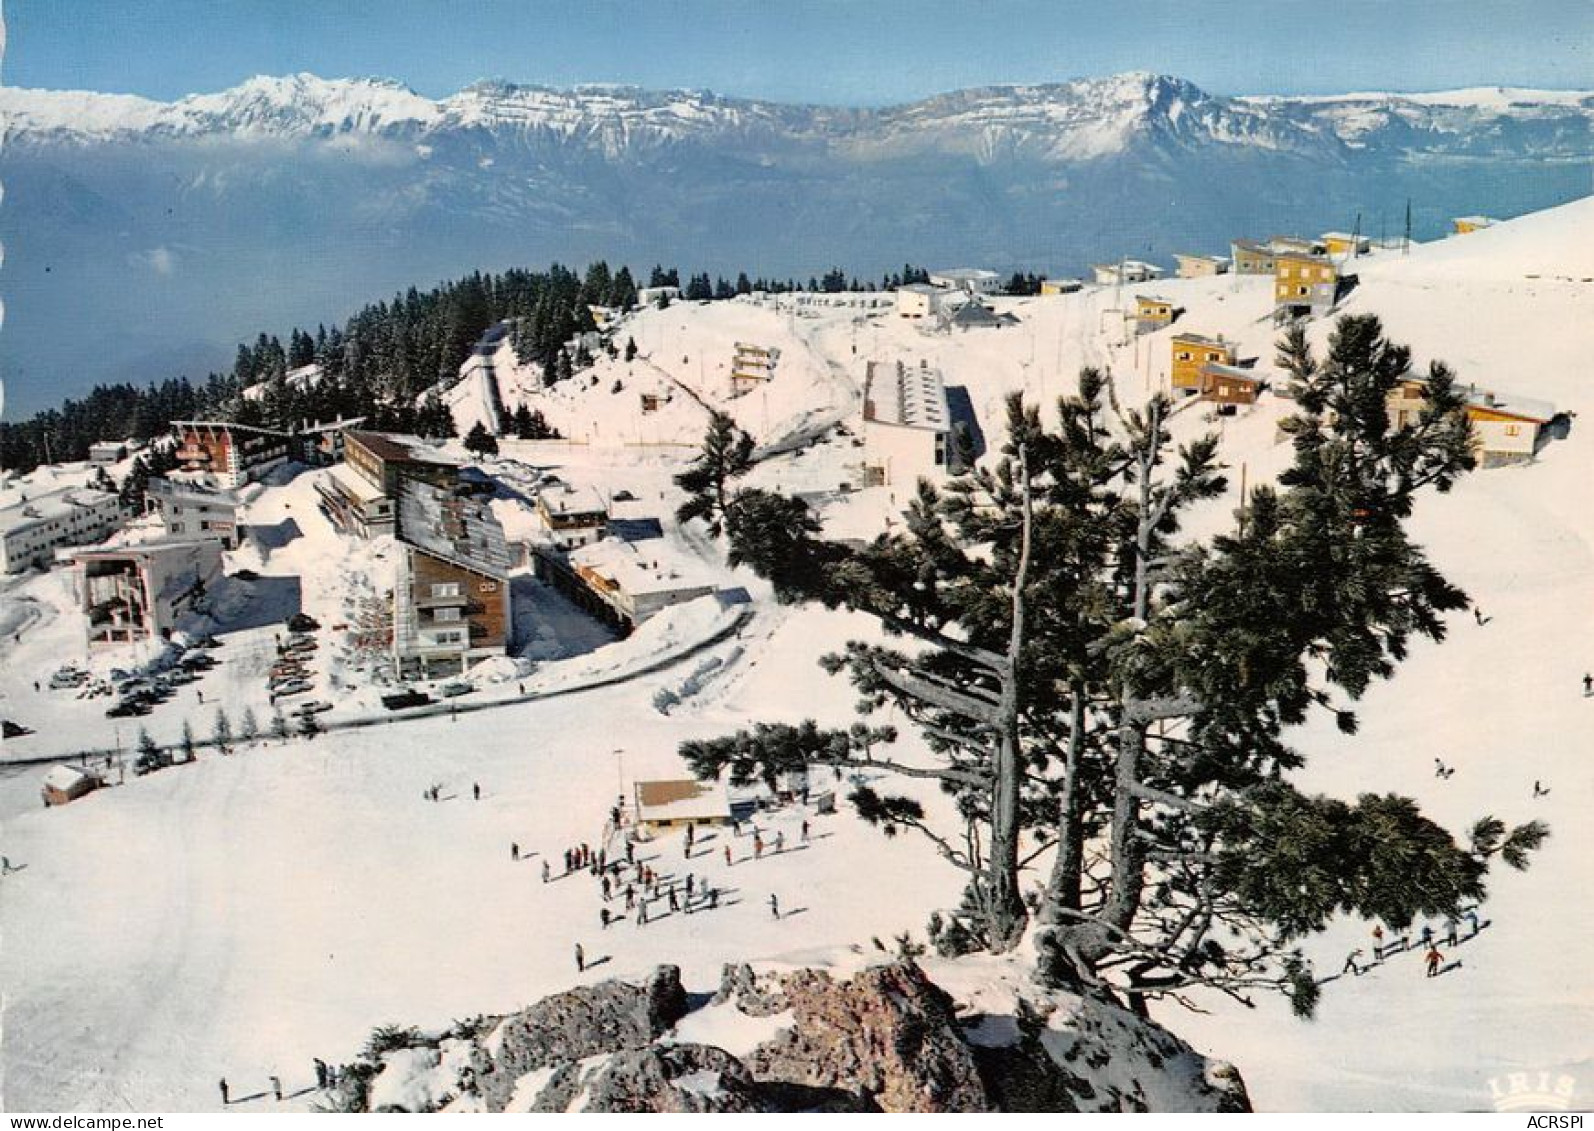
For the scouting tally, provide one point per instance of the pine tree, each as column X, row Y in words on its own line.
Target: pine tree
column 308, row 726
column 480, row 441
column 630, row 349
column 150, row 757
column 1060, row 623
column 279, row 724
column 186, row 743
column 726, row 455
column 221, row 732
column 249, row 727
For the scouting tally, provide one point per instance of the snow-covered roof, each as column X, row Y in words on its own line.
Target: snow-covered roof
column 956, row 275
column 1218, row 369
column 1476, row 221
column 1157, row 300
column 150, row 550
column 912, row 398
column 401, row 447
column 568, row 499
column 651, row 565
column 1201, row 340
column 66, row 778
column 1491, row 400
column 353, row 484
column 918, row 289
column 681, row 800
column 52, row 505
column 451, row 526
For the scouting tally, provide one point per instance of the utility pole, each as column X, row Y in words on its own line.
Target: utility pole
column 1405, row 243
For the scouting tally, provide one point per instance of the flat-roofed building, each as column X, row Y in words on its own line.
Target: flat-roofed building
column 194, row 510
column 232, row 454
column 140, row 591
column 573, row 516
column 32, row 530
column 907, row 423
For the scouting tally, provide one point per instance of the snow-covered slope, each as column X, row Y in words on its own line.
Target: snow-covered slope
column 237, row 917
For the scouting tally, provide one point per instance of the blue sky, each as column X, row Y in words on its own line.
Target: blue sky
column 833, row 51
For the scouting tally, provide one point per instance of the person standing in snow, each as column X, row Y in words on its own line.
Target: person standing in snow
column 1426, row 938
column 1588, row 684
column 545, row 872
column 728, row 861
column 774, row 906
column 1432, row 960
column 1350, row 966
column 604, row 917
column 476, row 791
column 1472, row 921
column 642, row 914
column 581, row 958
column 805, row 830
column 1378, row 942
column 780, row 843
column 276, row 1087
column 1450, row 931
column 606, row 889
column 226, row 1097
column 514, row 851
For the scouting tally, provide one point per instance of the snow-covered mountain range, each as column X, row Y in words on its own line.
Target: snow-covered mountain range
column 165, row 231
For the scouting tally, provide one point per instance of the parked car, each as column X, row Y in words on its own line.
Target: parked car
column 455, row 687
column 293, row 687
column 303, row 622
column 314, row 707
column 409, row 697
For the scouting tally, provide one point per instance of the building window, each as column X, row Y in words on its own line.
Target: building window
column 446, row 589
column 1512, row 430
column 445, row 614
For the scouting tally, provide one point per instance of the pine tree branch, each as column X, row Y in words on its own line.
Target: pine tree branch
column 937, row 695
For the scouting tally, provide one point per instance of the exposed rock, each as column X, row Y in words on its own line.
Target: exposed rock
column 884, row 1038
column 680, row 1078
column 610, row 1017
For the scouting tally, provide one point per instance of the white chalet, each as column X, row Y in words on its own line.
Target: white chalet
column 907, row 426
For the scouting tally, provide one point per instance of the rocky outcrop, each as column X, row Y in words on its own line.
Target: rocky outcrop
column 843, row 1032
column 885, row 1038
column 609, row 1017
column 680, row 1078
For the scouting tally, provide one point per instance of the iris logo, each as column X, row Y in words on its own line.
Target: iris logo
column 1533, row 1091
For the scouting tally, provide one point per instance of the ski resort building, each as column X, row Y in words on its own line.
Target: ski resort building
column 138, row 592
column 1227, row 385
column 387, row 459
column 1126, row 271
column 1305, row 285
column 975, row 315
column 624, row 583
column 751, row 366
column 107, row 451
column 907, row 424
column 1153, row 312
column 1342, row 245
column 970, row 280
column 65, row 784
column 231, row 454
column 323, row 444
column 676, row 803
column 919, row 300
column 1507, row 429
column 1190, row 353
column 451, row 599
column 1050, row 287
column 1201, row 266
column 31, row 531
column 353, row 504
column 1251, row 258
column 194, row 510
column 1462, row 225
column 572, row 516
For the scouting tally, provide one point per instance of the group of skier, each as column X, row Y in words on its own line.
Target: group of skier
column 1427, row 942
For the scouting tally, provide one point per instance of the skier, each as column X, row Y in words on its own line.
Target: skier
column 545, row 871
column 642, row 914
column 604, row 917
column 581, row 957
column 805, row 831
column 1378, row 942
column 630, row 897
column 1438, row 768
column 606, row 889
column 780, row 843
column 1472, row 920
column 225, row 1099
column 320, row 1073
column 1432, row 960
column 727, row 856
column 1426, row 938
column 5, row 866
column 714, row 897
column 758, row 846
column 514, row 851
column 1450, row 931
column 1350, row 963
column 276, row 1087
column 689, row 881
column 674, row 903
column 1588, row 684
column 476, row 791
column 1539, row 790
column 774, row 906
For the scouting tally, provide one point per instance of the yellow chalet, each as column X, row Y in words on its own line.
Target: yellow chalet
column 1190, row 353
column 1507, row 429
column 1304, row 284
column 1465, row 224
column 1152, row 312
